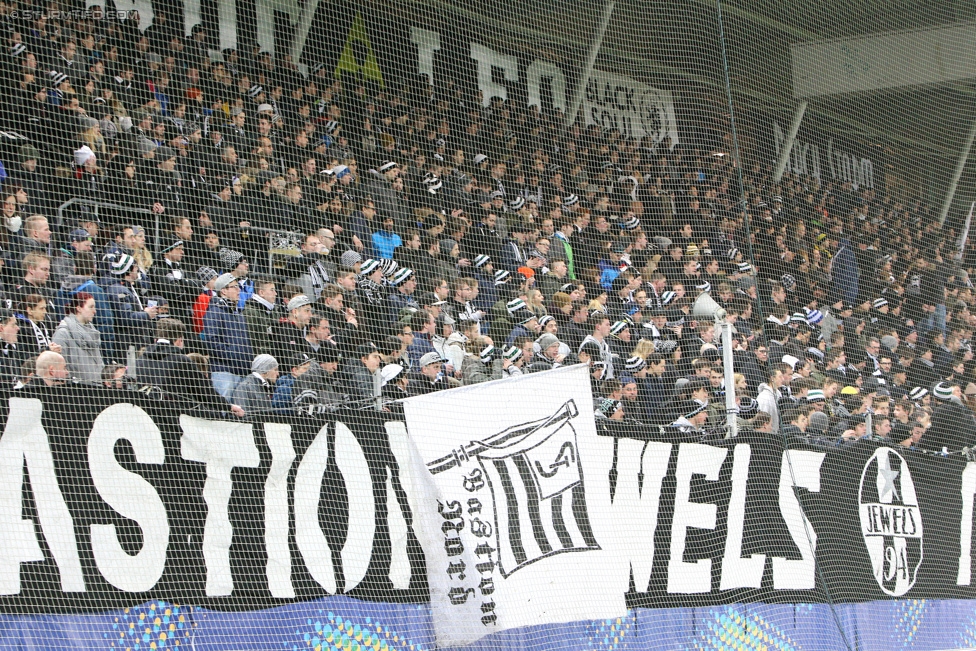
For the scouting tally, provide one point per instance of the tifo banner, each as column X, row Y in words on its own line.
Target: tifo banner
column 637, row 110
column 124, row 500
column 501, row 511
column 513, row 506
column 824, row 155
column 451, row 55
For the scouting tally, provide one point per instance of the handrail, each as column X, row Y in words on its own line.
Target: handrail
column 268, row 232
column 115, row 206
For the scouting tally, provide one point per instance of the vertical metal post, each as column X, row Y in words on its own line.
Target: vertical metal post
column 301, row 33
column 784, row 153
column 595, row 45
column 378, row 390
column 731, row 408
column 957, row 174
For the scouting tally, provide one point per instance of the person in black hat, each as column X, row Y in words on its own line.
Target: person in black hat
column 322, row 384
column 298, row 365
column 691, row 421
column 168, row 279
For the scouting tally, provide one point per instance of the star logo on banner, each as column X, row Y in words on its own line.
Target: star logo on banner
column 888, row 475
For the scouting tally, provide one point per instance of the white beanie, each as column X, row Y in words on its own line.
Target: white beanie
column 263, row 364
column 83, row 155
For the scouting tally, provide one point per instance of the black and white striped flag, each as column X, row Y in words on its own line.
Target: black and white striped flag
column 539, row 500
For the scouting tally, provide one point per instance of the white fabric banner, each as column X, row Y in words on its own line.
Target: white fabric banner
column 617, row 102
column 510, row 493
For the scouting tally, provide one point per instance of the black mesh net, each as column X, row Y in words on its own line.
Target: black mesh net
column 539, row 325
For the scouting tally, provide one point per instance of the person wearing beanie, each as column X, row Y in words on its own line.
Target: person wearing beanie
column 512, row 362
column 526, row 325
column 226, row 338
column 953, row 427
column 621, row 339
column 691, row 420
column 206, row 277
column 351, row 260
column 547, row 351
column 168, row 279
column 284, row 389
column 133, row 313
column 486, row 293
column 482, row 363
column 254, row 393
column 287, row 336
column 402, row 296
column 371, row 292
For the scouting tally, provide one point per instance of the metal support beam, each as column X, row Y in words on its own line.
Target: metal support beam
column 584, row 79
column 784, row 154
column 301, row 33
column 731, row 408
column 957, row 174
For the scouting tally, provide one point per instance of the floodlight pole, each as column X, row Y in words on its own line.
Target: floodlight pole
column 584, row 79
column 957, row 174
column 784, row 154
column 731, row 408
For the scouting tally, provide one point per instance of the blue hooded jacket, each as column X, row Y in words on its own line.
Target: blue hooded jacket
column 844, row 272
column 225, row 333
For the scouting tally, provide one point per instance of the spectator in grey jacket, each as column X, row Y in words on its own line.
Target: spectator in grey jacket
column 254, row 392
column 483, row 362
column 80, row 341
column 360, row 370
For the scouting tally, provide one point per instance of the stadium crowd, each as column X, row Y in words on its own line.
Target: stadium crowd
column 443, row 242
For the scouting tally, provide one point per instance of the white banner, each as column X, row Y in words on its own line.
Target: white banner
column 635, row 109
column 512, row 506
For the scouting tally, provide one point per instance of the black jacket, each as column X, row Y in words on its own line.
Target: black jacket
column 165, row 366
column 952, row 428
column 286, row 340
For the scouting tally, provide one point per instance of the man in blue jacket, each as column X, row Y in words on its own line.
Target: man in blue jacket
column 844, row 271
column 225, row 333
column 133, row 315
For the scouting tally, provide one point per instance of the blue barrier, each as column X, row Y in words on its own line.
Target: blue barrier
column 344, row 624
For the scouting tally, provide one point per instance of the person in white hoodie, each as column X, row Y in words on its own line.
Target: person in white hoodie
column 451, row 346
column 769, row 393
